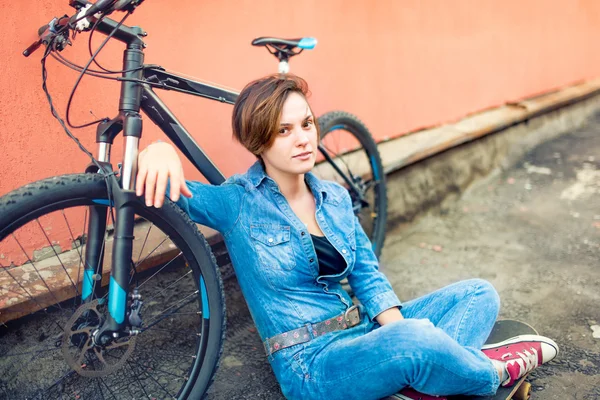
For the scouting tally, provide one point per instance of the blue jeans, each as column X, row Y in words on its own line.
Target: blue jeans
column 435, row 350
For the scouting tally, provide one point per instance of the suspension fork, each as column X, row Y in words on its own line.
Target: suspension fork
column 123, row 199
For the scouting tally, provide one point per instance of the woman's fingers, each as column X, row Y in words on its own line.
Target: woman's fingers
column 185, row 190
column 150, row 184
column 175, row 182
column 152, row 178
column 141, row 180
column 161, row 187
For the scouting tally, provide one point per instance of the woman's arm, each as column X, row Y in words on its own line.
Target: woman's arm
column 390, row 315
column 370, row 286
column 160, row 170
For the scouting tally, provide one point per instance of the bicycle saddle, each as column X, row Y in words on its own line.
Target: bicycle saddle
column 283, row 49
column 307, row 43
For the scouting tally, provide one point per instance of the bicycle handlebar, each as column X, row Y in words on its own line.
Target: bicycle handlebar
column 57, row 30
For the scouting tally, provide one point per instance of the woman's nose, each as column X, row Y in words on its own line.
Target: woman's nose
column 301, row 137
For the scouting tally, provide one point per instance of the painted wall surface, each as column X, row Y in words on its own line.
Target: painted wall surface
column 399, row 65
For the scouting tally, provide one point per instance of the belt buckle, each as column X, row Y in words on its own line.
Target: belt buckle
column 347, row 317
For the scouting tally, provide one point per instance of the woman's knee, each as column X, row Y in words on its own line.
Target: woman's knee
column 488, row 293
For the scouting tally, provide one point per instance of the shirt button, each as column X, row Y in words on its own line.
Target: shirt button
column 270, row 240
column 344, row 251
column 312, row 260
column 302, row 233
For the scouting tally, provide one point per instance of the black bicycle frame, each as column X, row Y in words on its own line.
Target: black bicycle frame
column 160, row 114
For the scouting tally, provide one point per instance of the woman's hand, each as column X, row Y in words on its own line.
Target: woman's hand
column 158, row 165
column 390, row 315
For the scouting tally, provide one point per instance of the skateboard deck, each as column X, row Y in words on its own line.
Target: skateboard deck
column 521, row 390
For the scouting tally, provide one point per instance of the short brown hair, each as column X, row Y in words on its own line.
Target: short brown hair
column 257, row 111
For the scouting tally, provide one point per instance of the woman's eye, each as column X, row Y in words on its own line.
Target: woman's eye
column 282, row 131
column 307, row 124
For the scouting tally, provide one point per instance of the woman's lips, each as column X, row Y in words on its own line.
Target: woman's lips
column 303, row 156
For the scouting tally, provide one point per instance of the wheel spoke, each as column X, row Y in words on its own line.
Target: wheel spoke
column 341, row 158
column 59, row 380
column 153, row 250
column 158, row 383
column 138, row 380
column 43, row 308
column 107, row 387
column 148, row 299
column 163, row 267
column 172, row 353
column 56, row 254
column 145, row 240
column 158, row 370
column 26, row 364
column 46, row 349
column 135, row 265
column 35, row 268
column 152, row 322
column 76, row 248
column 172, row 331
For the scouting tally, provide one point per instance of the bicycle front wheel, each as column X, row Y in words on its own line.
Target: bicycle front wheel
column 44, row 322
column 350, row 157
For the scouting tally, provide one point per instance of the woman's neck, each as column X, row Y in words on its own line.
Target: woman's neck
column 292, row 186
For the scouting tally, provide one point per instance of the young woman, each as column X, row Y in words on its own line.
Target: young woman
column 292, row 238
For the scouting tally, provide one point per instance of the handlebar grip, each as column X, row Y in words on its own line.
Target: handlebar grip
column 32, row 48
column 35, row 45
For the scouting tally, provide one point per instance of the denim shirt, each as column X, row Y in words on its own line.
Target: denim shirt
column 273, row 255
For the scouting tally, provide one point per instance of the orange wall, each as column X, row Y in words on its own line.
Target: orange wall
column 399, row 65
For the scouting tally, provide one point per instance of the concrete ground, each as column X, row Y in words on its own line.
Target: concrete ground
column 533, row 230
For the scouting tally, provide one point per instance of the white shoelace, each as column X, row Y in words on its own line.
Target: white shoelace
column 527, row 361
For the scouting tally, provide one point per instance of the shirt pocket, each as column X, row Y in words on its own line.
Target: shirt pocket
column 273, row 245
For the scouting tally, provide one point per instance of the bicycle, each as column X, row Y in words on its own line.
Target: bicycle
column 85, row 333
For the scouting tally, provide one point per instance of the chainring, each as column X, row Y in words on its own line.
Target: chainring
column 82, row 354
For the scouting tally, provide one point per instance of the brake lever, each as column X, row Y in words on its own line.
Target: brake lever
column 47, row 33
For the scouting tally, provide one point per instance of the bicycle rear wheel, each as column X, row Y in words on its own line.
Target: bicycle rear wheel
column 43, row 319
column 351, row 148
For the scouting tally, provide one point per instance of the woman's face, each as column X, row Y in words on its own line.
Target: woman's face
column 294, row 150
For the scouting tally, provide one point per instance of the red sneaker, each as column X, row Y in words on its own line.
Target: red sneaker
column 522, row 354
column 411, row 394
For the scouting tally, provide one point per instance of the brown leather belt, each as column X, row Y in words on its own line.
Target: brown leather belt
column 303, row 334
